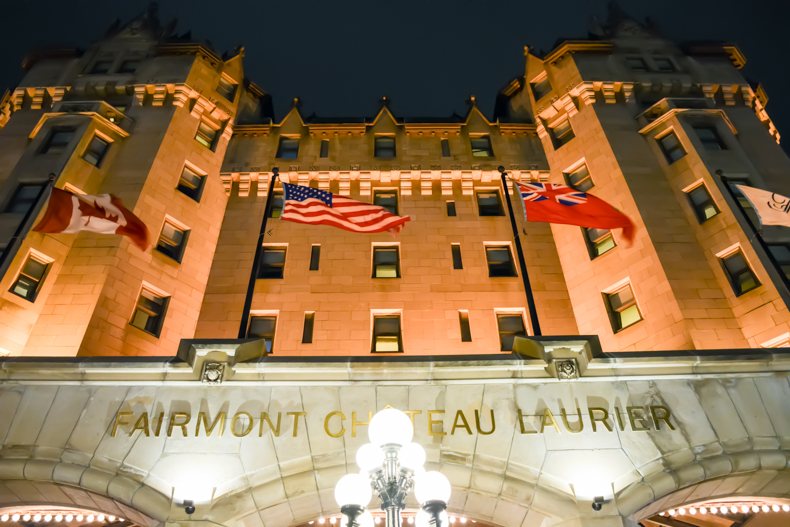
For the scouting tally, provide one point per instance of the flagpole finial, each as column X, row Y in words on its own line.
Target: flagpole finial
column 501, row 169
column 276, row 171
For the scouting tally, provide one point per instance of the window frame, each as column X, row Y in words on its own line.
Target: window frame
column 227, row 88
column 615, row 317
column 504, row 336
column 457, row 258
column 374, row 334
column 323, row 152
column 315, row 257
column 382, row 151
column 511, row 272
column 734, row 278
column 185, row 186
column 669, row 152
column 450, row 208
column 640, row 67
column 445, row 147
column 308, row 327
column 37, row 281
column 486, row 150
column 177, row 254
column 268, row 271
column 597, row 247
column 658, row 60
column 715, row 140
column 582, row 183
column 50, row 147
column 204, row 139
column 464, row 325
column 382, row 248
column 156, row 330
column 700, row 209
column 781, row 265
column 540, row 86
column 566, row 134
column 268, row 337
column 93, row 157
column 13, row 202
column 381, row 194
column 487, row 210
column 288, row 148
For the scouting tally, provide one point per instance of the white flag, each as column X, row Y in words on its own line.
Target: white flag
column 773, row 208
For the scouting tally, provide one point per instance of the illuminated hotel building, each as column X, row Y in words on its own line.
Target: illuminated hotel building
column 652, row 392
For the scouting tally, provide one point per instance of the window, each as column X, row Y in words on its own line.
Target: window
column 636, row 63
column 579, row 178
column 709, row 137
column 598, row 241
column 500, row 261
column 451, row 208
column 172, row 240
column 288, row 149
column 28, row 283
column 315, row 256
column 702, row 203
column 387, row 199
column 24, row 197
column 463, row 321
column 561, row 133
column 96, row 151
column 101, row 66
column 149, row 313
column 481, row 146
column 386, row 261
column 623, row 311
column 455, row 249
column 780, row 254
column 671, row 147
column 664, row 64
column 324, row 148
column 57, row 141
column 206, row 135
column 741, row 277
column 540, row 86
column 277, row 204
column 129, row 66
column 445, row 148
column 272, row 262
column 384, row 147
column 489, row 203
column 307, row 328
column 510, row 326
column 227, row 88
column 745, row 205
column 262, row 327
column 386, row 334
column 191, row 183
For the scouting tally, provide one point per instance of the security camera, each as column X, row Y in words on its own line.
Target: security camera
column 597, row 503
column 189, row 506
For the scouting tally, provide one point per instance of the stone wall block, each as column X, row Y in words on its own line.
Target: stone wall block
column 68, row 473
column 717, row 466
column 39, row 470
column 635, row 497
column 746, row 462
column 95, row 481
column 123, row 489
column 661, row 484
column 152, row 503
column 689, row 475
column 773, row 460
column 12, row 469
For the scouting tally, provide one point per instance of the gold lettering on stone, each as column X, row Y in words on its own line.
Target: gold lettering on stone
column 178, row 420
column 636, row 416
column 355, row 423
column 604, row 417
column 548, row 419
column 120, row 419
column 296, row 416
column 522, row 426
column 460, row 422
column 567, row 425
column 142, row 424
column 342, row 429
column 432, row 422
column 265, row 419
column 661, row 413
column 480, row 428
column 243, row 418
column 219, row 420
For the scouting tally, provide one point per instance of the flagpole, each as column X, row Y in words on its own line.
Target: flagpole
column 533, row 313
column 256, row 263
column 24, row 226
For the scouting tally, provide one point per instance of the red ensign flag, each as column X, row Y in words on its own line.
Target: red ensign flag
column 105, row 214
column 550, row 203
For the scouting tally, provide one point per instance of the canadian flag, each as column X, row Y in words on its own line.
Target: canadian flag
column 105, row 214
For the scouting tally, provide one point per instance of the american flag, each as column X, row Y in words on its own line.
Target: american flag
column 319, row 207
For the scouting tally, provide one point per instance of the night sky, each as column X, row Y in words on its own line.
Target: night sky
column 428, row 56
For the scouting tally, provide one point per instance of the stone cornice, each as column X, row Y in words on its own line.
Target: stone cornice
column 574, row 46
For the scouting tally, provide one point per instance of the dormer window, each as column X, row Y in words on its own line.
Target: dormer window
column 227, row 88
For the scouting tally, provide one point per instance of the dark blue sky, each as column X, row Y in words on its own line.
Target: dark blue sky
column 428, row 56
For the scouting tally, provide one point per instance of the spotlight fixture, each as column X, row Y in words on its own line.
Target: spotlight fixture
column 189, row 506
column 597, row 503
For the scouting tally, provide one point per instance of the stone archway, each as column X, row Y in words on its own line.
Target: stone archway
column 39, row 482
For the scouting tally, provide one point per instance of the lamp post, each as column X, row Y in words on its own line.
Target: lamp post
column 391, row 465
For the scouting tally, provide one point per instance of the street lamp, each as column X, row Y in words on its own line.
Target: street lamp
column 391, row 464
